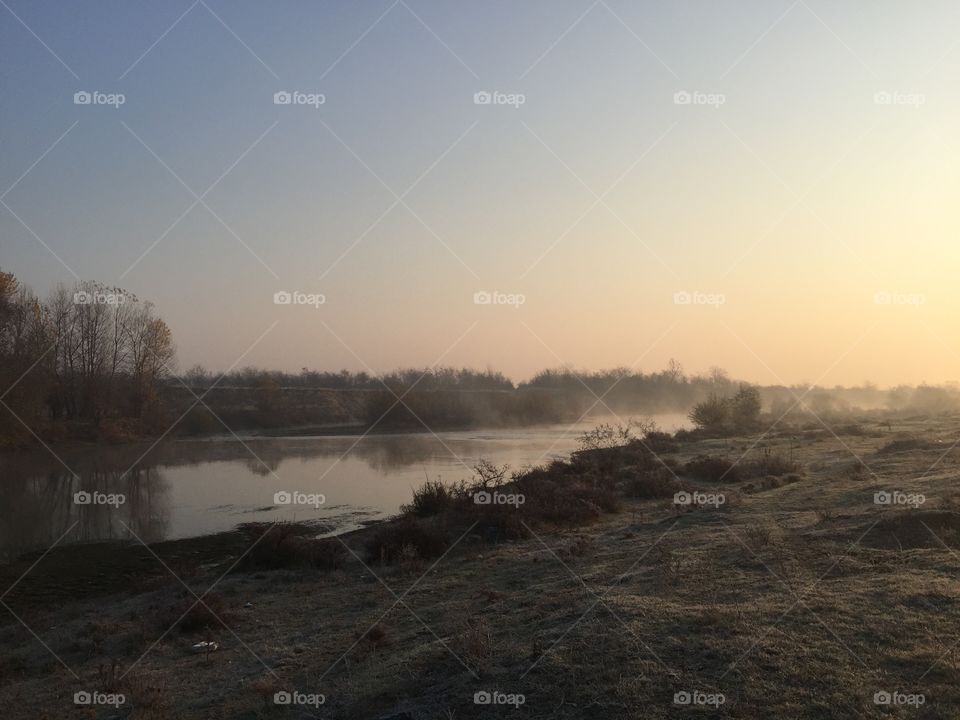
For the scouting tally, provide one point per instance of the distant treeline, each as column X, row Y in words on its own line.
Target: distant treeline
column 668, row 390
column 841, row 402
column 448, row 398
column 95, row 362
column 434, row 398
column 442, row 378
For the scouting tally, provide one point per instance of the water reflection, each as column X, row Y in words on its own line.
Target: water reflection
column 39, row 506
column 187, row 488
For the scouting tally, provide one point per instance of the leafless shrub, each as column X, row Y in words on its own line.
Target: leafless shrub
column 476, row 641
column 394, row 540
column 284, row 545
column 757, row 536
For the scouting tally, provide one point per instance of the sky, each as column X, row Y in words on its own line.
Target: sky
column 766, row 186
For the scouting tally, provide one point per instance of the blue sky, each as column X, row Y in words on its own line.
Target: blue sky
column 797, row 199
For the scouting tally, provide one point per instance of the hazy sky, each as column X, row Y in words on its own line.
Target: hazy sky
column 802, row 195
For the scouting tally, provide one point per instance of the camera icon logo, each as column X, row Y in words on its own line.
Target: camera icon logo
column 282, row 498
column 682, row 97
column 82, row 697
column 882, row 698
column 282, row 97
column 882, row 498
column 682, row 498
column 682, row 698
column 882, row 98
column 282, row 298
column 482, row 697
column 82, row 97
column 482, row 498
column 82, row 497
column 282, row 698
column 682, row 298
column 82, row 298
column 482, row 98
column 482, row 297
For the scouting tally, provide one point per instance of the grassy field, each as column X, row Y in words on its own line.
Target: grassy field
column 803, row 594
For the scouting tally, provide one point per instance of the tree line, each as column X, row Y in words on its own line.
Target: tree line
column 439, row 378
column 88, row 360
column 96, row 362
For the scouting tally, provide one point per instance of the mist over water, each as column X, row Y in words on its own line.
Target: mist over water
column 188, row 488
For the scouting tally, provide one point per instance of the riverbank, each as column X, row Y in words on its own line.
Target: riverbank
column 796, row 595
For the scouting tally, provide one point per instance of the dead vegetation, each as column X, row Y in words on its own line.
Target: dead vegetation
column 716, row 469
column 913, row 529
column 801, row 599
column 905, row 444
column 285, row 545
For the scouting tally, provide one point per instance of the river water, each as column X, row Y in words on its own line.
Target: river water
column 186, row 488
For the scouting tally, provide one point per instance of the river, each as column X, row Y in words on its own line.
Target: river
column 184, row 488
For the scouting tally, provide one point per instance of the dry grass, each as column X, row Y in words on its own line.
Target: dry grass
column 283, row 545
column 801, row 601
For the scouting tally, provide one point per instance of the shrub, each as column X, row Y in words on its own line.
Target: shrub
column 719, row 415
column 904, row 444
column 660, row 442
column 388, row 543
column 476, row 641
column 851, row 429
column 824, row 514
column 498, row 522
column 711, row 415
column 768, row 463
column 686, row 436
column 431, row 498
column 605, row 436
column 489, row 475
column 745, row 409
column 711, row 468
column 918, row 529
column 284, row 545
column 758, row 536
column 650, row 485
column 198, row 421
column 567, row 493
column 554, row 494
column 117, row 430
